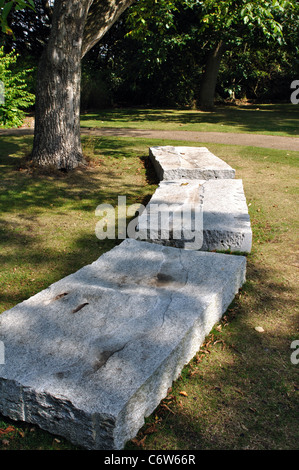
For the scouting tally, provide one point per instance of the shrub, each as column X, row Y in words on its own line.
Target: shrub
column 16, row 97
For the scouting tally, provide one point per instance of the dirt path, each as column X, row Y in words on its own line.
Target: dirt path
column 254, row 140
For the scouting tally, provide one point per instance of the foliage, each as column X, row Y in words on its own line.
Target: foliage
column 262, row 75
column 155, row 54
column 31, row 28
column 7, row 7
column 16, row 96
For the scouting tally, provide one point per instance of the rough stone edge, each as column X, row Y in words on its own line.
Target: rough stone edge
column 182, row 354
column 179, row 173
column 29, row 404
column 211, row 239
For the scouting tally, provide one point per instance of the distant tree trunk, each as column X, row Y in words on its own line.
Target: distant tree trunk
column 76, row 26
column 208, row 85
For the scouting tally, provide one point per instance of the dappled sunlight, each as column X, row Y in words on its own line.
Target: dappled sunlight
column 260, row 119
column 239, row 391
column 47, row 223
column 240, row 381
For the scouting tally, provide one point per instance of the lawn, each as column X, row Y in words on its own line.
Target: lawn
column 241, row 389
column 279, row 119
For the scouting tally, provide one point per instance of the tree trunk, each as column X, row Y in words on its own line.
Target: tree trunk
column 57, row 112
column 76, row 26
column 208, row 85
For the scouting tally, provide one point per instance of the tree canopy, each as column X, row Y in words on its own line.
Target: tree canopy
column 166, row 52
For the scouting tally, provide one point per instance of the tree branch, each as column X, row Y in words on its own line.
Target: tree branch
column 102, row 15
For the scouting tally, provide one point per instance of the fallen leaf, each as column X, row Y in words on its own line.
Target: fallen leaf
column 167, row 408
column 79, row 307
column 185, row 394
column 151, row 429
column 7, row 430
column 135, row 442
column 139, row 443
column 260, row 329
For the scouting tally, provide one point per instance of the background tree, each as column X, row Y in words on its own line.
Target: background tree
column 231, row 24
column 215, row 27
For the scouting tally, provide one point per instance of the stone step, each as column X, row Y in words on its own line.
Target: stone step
column 93, row 354
column 219, row 217
column 173, row 163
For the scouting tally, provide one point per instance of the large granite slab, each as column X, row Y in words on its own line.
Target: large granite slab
column 219, row 216
column 173, row 163
column 93, row 354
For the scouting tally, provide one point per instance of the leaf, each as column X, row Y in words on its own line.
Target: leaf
column 185, row 394
column 259, row 329
column 6, row 10
column 167, row 408
column 8, row 30
column 79, row 307
column 139, row 443
column 151, row 429
column 8, row 430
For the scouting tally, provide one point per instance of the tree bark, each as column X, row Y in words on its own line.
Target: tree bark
column 208, row 85
column 76, row 26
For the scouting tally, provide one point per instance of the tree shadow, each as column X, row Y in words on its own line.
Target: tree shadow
column 249, row 118
column 255, row 357
column 35, row 203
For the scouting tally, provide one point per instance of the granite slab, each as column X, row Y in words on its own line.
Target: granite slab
column 92, row 355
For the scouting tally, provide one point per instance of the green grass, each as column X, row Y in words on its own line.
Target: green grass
column 241, row 389
column 260, row 119
column 47, row 222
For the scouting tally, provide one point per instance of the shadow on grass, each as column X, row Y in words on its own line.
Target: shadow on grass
column 241, row 394
column 24, row 190
column 47, row 219
column 242, row 400
column 240, row 391
column 253, row 118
